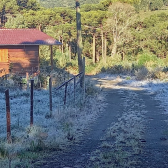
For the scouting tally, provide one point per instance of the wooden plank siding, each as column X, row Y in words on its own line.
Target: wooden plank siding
column 3, row 55
column 21, row 58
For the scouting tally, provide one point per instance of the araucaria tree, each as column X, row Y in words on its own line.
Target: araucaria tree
column 121, row 16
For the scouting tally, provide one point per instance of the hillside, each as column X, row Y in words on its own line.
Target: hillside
column 65, row 3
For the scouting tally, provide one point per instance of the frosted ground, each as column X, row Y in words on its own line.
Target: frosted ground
column 20, row 107
column 159, row 88
column 122, row 142
column 68, row 123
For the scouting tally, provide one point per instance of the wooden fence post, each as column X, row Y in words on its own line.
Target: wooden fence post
column 74, row 88
column 9, row 140
column 83, row 79
column 51, row 57
column 66, row 84
column 31, row 103
column 50, row 95
column 27, row 79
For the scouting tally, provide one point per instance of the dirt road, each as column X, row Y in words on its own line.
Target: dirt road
column 131, row 132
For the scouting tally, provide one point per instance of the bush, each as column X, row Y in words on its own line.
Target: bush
column 145, row 59
column 158, row 73
column 141, row 73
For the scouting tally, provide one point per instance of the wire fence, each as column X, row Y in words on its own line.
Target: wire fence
column 33, row 98
column 41, row 77
column 30, row 103
column 70, row 93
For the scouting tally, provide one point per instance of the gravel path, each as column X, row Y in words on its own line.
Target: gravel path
column 155, row 153
column 131, row 132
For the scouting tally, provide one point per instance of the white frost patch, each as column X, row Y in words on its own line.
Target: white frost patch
column 156, row 87
column 52, row 131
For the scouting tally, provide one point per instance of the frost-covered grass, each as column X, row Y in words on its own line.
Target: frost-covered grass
column 157, row 87
column 47, row 133
column 123, row 141
column 68, row 124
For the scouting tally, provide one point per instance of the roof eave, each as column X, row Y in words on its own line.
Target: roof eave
column 26, row 44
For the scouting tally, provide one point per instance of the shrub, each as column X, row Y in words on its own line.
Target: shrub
column 146, row 58
column 117, row 69
column 3, row 151
column 141, row 73
column 90, row 88
column 158, row 73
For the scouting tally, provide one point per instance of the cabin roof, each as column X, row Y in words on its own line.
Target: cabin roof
column 25, row 37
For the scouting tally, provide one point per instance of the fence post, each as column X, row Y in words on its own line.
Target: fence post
column 31, row 103
column 27, row 79
column 66, row 84
column 9, row 140
column 83, row 79
column 74, row 88
column 64, row 77
column 50, row 95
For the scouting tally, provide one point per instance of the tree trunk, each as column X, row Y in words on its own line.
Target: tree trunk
column 114, row 48
column 60, row 45
column 105, row 48
column 39, row 27
column 102, row 43
column 122, row 55
column 94, row 48
column 115, row 34
column 70, row 54
column 3, row 17
column 97, row 56
column 79, row 36
column 62, row 49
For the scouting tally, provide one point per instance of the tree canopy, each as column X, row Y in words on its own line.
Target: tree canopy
column 109, row 27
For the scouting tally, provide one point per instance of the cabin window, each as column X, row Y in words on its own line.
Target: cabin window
column 3, row 55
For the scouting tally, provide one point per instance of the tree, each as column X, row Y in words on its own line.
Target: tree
column 64, row 3
column 156, row 4
column 151, row 4
column 153, row 35
column 120, row 18
column 28, row 4
column 15, row 22
column 93, row 21
column 7, row 6
column 165, row 2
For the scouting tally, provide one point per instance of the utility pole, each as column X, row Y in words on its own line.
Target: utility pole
column 79, row 36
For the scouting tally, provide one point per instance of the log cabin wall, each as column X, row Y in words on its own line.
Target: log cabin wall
column 21, row 59
column 4, row 62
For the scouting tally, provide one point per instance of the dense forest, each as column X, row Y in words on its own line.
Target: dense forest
column 65, row 3
column 126, row 28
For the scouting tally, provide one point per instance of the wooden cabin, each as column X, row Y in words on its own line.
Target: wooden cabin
column 19, row 49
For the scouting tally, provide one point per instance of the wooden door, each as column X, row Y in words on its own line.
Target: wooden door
column 3, row 55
